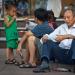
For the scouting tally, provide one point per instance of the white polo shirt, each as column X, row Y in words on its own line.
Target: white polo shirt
column 63, row 30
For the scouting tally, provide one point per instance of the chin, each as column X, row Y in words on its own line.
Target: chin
column 70, row 25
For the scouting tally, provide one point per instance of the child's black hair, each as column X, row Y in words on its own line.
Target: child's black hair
column 41, row 14
column 9, row 5
column 50, row 14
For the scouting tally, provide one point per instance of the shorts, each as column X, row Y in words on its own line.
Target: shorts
column 12, row 44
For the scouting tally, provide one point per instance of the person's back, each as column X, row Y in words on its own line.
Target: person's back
column 42, row 21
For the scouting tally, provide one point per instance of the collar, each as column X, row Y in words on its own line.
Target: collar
column 44, row 23
column 73, row 25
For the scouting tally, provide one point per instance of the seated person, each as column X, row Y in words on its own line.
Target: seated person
column 51, row 19
column 36, row 33
column 22, row 8
column 60, row 44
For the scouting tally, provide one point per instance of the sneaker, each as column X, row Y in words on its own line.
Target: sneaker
column 42, row 68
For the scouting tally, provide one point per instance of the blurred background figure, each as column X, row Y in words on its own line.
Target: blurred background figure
column 55, row 5
column 10, row 1
column 51, row 19
column 22, row 8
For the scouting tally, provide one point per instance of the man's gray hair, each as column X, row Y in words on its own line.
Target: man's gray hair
column 71, row 9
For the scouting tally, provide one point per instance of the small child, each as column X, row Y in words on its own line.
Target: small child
column 11, row 33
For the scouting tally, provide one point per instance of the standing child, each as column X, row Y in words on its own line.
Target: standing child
column 11, row 32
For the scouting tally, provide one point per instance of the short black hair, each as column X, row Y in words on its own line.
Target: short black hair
column 9, row 5
column 41, row 14
column 50, row 14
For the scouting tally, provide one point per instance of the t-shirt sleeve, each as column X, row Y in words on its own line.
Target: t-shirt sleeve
column 36, row 31
column 40, row 30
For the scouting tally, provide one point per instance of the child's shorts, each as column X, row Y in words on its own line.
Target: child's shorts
column 12, row 43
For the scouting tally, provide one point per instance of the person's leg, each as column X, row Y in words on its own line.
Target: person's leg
column 73, row 49
column 47, row 50
column 32, row 49
column 9, row 53
column 38, row 45
column 62, row 55
column 24, row 58
column 9, row 56
column 27, row 55
column 73, row 54
column 23, row 39
column 51, row 49
column 45, row 56
column 11, row 45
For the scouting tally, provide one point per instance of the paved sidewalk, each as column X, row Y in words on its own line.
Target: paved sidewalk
column 15, row 70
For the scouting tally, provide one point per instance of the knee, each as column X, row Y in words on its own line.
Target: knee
column 31, row 38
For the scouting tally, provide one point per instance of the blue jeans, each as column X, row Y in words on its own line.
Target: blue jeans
column 52, row 50
column 39, row 47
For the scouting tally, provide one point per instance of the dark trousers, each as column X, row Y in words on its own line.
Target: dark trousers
column 52, row 50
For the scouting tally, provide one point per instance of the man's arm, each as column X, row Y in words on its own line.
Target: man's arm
column 59, row 38
column 62, row 37
column 52, row 36
column 70, row 36
column 23, row 39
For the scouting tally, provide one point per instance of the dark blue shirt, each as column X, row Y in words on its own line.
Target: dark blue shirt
column 41, row 29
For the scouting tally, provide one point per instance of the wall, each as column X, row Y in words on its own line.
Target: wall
column 66, row 3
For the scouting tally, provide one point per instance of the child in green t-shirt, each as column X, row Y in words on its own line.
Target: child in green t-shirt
column 11, row 32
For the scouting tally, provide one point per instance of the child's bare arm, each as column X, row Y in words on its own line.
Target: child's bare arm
column 6, row 21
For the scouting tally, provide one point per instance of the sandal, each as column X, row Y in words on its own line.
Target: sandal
column 29, row 66
column 21, row 65
column 26, row 66
column 13, row 61
column 8, row 61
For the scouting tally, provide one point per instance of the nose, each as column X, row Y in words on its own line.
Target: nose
column 66, row 19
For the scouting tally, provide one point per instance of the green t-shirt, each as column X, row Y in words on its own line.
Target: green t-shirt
column 11, row 31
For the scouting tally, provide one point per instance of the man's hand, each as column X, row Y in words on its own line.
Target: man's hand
column 14, row 17
column 70, row 36
column 45, row 38
column 60, row 37
column 19, row 48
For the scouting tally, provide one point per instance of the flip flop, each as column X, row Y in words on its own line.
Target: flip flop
column 27, row 66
